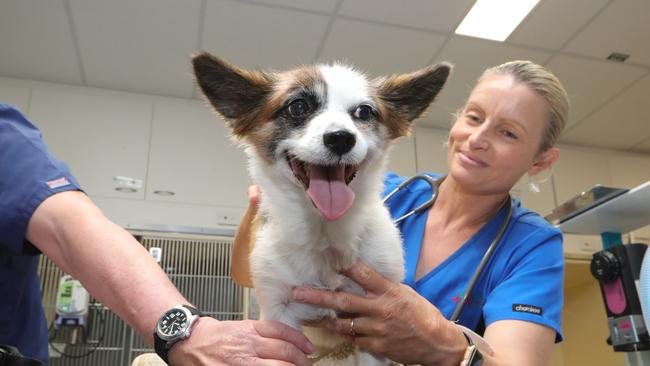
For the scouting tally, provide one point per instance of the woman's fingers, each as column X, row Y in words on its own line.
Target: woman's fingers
column 353, row 329
column 253, row 195
column 342, row 302
column 368, row 278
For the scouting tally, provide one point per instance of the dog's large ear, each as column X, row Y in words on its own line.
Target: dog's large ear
column 406, row 96
column 238, row 95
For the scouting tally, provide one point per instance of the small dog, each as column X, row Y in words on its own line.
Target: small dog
column 317, row 138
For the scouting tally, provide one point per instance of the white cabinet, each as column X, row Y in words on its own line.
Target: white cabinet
column 98, row 134
column 401, row 159
column 431, row 150
column 192, row 156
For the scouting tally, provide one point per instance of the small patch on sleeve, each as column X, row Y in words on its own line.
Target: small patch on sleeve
column 523, row 308
column 60, row 182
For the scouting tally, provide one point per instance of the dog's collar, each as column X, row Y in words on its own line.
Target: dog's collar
column 339, row 352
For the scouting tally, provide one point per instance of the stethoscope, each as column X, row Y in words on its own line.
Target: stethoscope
column 435, row 183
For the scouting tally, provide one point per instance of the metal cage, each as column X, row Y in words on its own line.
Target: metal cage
column 198, row 266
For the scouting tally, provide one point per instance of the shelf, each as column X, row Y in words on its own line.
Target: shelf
column 622, row 214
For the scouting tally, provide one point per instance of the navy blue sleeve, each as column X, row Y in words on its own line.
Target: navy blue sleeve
column 28, row 175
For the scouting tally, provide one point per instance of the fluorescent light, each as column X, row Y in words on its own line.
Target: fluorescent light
column 495, row 19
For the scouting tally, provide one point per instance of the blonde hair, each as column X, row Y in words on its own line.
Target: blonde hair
column 545, row 84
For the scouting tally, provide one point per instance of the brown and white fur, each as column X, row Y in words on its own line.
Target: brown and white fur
column 317, row 138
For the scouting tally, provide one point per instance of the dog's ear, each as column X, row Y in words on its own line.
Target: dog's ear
column 406, row 96
column 237, row 94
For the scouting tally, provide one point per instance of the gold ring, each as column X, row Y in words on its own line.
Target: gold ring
column 352, row 333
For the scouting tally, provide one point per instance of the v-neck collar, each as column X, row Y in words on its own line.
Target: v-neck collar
column 412, row 252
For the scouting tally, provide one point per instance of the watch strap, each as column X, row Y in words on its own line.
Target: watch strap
column 160, row 345
column 472, row 357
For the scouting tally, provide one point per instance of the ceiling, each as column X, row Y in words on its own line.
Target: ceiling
column 145, row 45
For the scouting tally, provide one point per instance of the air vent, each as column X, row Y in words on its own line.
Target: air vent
column 618, row 57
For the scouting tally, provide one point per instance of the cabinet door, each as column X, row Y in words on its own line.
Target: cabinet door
column 192, row 156
column 579, row 169
column 401, row 159
column 431, row 150
column 98, row 134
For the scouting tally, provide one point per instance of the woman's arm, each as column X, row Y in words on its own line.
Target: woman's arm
column 245, row 240
column 518, row 342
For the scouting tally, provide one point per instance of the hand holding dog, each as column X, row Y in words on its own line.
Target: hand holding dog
column 392, row 320
column 239, row 343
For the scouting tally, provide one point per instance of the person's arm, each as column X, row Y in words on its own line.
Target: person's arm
column 518, row 342
column 394, row 321
column 245, row 240
column 116, row 269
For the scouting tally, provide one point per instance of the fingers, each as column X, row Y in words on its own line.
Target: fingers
column 347, row 327
column 280, row 352
column 253, row 195
column 370, row 280
column 342, row 302
column 284, row 332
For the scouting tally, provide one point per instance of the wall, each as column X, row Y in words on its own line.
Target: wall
column 179, row 145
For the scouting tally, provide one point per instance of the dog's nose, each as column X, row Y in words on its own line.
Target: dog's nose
column 339, row 142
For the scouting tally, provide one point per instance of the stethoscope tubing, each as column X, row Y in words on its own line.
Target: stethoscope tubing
column 434, row 183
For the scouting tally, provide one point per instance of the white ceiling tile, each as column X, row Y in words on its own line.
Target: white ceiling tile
column 590, row 83
column 470, row 57
column 379, row 49
column 141, row 46
column 621, row 124
column 624, row 26
column 36, row 41
column 326, row 6
column 565, row 16
column 260, row 37
column 437, row 15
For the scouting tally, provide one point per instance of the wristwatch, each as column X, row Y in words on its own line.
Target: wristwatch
column 174, row 325
column 472, row 355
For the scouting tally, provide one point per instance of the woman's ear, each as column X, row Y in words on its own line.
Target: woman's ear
column 544, row 161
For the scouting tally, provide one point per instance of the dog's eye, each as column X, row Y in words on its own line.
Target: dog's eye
column 363, row 112
column 298, row 108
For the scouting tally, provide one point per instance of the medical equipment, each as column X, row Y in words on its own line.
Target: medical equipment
column 435, row 183
column 71, row 326
column 621, row 214
column 617, row 270
column 71, row 302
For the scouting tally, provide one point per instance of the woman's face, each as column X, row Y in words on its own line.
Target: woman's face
column 497, row 136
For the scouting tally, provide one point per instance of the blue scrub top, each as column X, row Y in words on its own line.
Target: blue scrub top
column 523, row 280
column 28, row 175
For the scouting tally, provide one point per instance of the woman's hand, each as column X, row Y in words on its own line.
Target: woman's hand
column 392, row 320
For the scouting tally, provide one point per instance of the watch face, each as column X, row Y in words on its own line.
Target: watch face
column 173, row 322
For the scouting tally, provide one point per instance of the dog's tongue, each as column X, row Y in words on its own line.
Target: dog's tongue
column 327, row 189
